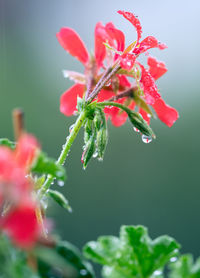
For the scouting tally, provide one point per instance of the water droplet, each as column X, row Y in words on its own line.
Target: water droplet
column 83, row 272
column 95, row 154
column 65, row 73
column 136, row 129
column 69, row 209
column 61, row 183
column 108, row 83
column 59, row 174
column 146, row 139
column 70, row 128
column 157, row 273
column 173, row 259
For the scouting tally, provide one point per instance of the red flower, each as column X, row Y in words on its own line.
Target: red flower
column 108, row 55
column 20, row 220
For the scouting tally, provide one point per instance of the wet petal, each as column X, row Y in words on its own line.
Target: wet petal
column 156, row 68
column 72, row 43
column 149, row 87
column 166, row 113
column 68, row 100
column 116, row 35
column 148, row 43
column 134, row 20
column 127, row 61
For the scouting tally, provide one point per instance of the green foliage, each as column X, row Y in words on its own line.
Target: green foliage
column 13, row 261
column 6, row 142
column 59, row 198
column 133, row 254
column 46, row 165
column 184, row 267
column 63, row 261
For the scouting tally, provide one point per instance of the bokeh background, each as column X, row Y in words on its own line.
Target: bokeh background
column 154, row 184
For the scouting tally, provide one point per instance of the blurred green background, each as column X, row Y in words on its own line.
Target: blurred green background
column 155, row 184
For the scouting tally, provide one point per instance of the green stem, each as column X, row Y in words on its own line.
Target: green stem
column 66, row 147
column 119, row 105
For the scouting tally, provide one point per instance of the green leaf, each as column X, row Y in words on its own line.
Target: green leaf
column 133, row 254
column 63, row 260
column 60, row 199
column 7, row 143
column 46, row 165
column 184, row 267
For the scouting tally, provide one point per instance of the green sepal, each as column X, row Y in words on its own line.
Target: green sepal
column 89, row 149
column 46, row 165
column 142, row 104
column 139, row 123
column 101, row 142
column 88, row 130
column 7, row 143
column 80, row 104
column 60, row 199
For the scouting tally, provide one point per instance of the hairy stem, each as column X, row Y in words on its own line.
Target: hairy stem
column 65, row 150
column 103, row 80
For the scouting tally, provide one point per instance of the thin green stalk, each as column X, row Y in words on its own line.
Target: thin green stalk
column 65, row 150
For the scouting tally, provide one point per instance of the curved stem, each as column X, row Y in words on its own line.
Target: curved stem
column 119, row 105
column 66, row 147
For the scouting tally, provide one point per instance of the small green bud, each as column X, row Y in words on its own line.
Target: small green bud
column 139, row 123
column 101, row 142
column 60, row 199
column 89, row 150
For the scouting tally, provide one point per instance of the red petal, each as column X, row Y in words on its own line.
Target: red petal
column 145, row 115
column 72, row 43
column 165, row 113
column 100, row 49
column 68, row 100
column 21, row 225
column 117, row 116
column 123, row 81
column 134, row 20
column 116, row 35
column 149, row 86
column 156, row 68
column 127, row 61
column 26, row 150
column 105, row 95
column 148, row 43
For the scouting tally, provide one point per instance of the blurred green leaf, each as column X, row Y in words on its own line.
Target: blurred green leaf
column 46, row 165
column 63, row 260
column 6, row 142
column 184, row 267
column 133, row 254
column 13, row 262
column 60, row 199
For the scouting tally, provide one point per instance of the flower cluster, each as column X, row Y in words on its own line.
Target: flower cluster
column 111, row 55
column 17, row 203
